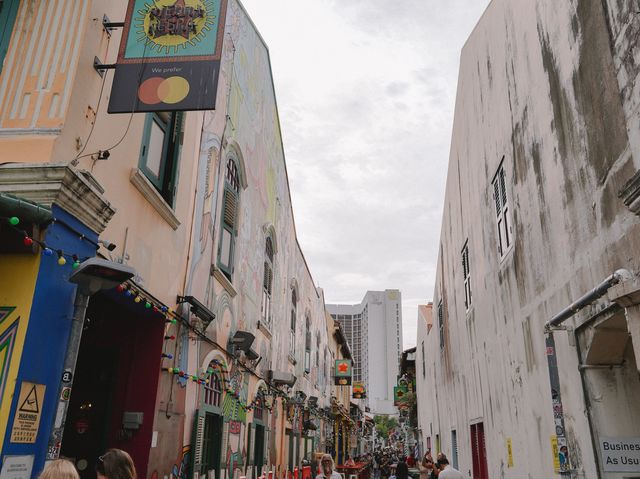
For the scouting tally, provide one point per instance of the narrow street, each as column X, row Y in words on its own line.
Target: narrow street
column 310, row 239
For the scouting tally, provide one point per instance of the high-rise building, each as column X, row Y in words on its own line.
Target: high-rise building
column 374, row 331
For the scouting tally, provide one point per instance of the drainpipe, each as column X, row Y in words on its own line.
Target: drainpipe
column 554, row 377
column 587, row 299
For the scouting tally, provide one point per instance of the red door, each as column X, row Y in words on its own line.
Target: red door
column 479, row 452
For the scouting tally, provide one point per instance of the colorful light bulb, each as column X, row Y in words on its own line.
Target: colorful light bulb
column 14, row 220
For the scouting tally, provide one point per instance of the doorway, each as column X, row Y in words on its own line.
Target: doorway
column 117, row 372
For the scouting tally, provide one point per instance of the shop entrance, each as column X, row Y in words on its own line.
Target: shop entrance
column 115, row 382
column 609, row 372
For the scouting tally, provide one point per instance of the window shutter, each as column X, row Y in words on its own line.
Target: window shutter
column 230, row 208
column 496, row 196
column 197, row 439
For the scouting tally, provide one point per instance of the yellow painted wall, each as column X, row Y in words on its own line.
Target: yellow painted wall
column 18, row 274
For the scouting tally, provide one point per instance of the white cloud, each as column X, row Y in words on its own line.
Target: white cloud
column 366, row 91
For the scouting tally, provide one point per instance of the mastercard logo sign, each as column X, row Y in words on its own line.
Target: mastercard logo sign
column 169, row 90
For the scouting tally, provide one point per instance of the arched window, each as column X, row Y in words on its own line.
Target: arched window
column 229, row 226
column 213, row 390
column 292, row 329
column 267, row 283
column 307, row 345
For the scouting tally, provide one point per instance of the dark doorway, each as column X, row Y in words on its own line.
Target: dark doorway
column 211, row 444
column 258, row 455
column 116, row 373
column 479, row 452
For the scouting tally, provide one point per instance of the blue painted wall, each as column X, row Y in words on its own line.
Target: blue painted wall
column 49, row 327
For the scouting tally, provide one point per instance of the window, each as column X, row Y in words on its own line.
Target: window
column 424, row 369
column 454, row 449
column 228, row 230
column 160, row 152
column 213, row 390
column 503, row 218
column 441, row 325
column 8, row 13
column 307, row 345
column 466, row 274
column 292, row 328
column 267, row 283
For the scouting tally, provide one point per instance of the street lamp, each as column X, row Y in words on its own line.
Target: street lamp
column 93, row 275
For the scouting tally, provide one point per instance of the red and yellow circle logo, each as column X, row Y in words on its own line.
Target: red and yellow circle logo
column 169, row 90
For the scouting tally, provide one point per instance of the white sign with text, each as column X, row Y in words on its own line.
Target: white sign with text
column 620, row 454
column 17, row 467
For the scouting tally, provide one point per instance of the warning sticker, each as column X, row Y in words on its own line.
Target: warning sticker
column 27, row 418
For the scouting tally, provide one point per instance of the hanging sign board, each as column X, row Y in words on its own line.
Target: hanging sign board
column 27, row 419
column 169, row 57
column 620, row 454
column 343, row 372
column 398, row 394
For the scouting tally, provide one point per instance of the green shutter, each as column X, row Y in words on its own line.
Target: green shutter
column 197, row 437
column 8, row 13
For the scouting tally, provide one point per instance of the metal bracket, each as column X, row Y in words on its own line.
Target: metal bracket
column 109, row 26
column 100, row 67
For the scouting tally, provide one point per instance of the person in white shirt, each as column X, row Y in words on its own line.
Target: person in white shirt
column 326, row 468
column 448, row 472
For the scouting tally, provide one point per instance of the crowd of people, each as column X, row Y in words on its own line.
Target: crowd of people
column 389, row 463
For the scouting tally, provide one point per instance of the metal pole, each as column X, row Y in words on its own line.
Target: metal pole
column 66, row 381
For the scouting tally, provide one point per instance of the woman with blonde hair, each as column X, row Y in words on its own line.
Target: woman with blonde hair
column 59, row 469
column 115, row 464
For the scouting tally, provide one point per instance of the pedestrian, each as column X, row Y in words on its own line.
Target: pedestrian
column 426, row 466
column 446, row 471
column 115, row 464
column 326, row 469
column 402, row 470
column 59, row 469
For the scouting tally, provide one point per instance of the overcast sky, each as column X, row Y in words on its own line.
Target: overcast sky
column 366, row 92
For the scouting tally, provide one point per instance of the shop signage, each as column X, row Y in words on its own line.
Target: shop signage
column 620, row 454
column 398, row 394
column 16, row 467
column 169, row 57
column 343, row 372
column 27, row 419
column 358, row 391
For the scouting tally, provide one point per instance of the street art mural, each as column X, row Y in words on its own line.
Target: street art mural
column 180, row 469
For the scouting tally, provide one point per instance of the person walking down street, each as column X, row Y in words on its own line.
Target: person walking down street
column 426, row 466
column 326, row 468
column 115, row 464
column 402, row 470
column 59, row 469
column 446, row 471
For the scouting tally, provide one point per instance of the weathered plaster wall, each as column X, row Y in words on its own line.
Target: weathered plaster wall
column 538, row 90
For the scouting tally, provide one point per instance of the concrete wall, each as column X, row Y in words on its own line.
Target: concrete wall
column 538, row 93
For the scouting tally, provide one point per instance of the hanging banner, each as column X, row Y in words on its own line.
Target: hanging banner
column 169, row 57
column 343, row 372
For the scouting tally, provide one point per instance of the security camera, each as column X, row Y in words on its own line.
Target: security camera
column 107, row 244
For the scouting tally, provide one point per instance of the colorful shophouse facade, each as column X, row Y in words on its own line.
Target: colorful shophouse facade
column 213, row 358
